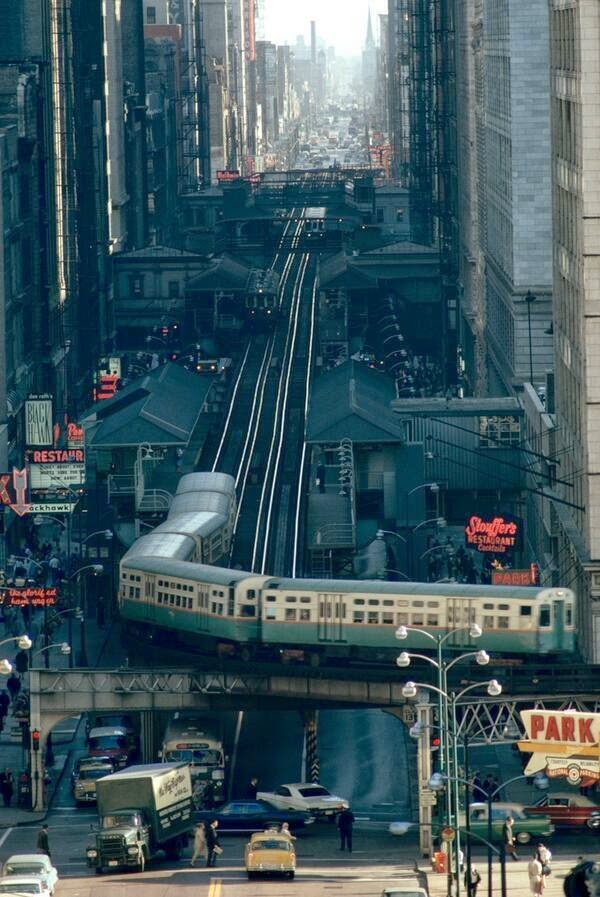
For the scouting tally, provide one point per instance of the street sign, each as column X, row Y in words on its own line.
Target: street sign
column 52, row 507
column 409, row 715
column 427, row 798
column 448, row 834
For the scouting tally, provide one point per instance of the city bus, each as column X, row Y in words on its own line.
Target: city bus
column 198, row 742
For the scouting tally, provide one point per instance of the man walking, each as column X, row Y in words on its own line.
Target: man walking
column 43, row 844
column 7, row 786
column 252, row 789
column 213, row 847
column 508, row 838
column 345, row 823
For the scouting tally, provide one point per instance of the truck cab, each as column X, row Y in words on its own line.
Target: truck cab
column 123, row 839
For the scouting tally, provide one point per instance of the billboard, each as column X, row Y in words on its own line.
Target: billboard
column 38, row 420
column 494, row 535
column 563, row 744
column 30, row 596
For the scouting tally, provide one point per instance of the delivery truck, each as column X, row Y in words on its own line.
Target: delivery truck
column 142, row 810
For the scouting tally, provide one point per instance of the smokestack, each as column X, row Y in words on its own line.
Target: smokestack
column 313, row 42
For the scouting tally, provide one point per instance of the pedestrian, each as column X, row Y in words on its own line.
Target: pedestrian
column 472, row 881
column 213, row 847
column 477, row 787
column 4, row 703
column 545, row 858
column 43, row 844
column 252, row 789
column 285, row 830
column 199, row 843
column 100, row 610
column 13, row 683
column 7, row 786
column 536, row 875
column 208, row 797
column 345, row 823
column 496, row 789
column 508, row 838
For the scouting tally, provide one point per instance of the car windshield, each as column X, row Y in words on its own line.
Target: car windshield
column 21, row 888
column 118, row 819
column 314, row 791
column 195, row 757
column 271, row 844
column 107, row 742
column 95, row 772
column 26, row 869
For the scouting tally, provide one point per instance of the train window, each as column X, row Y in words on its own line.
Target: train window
column 171, row 599
column 525, row 610
column 270, row 598
column 504, row 607
column 402, row 602
column 137, row 592
column 178, row 601
column 488, row 607
column 178, row 586
column 213, row 607
column 488, row 622
column 359, row 600
column 290, row 614
column 131, row 591
column 418, row 604
column 502, row 623
column 250, row 594
column 545, row 615
column 305, row 599
column 401, row 619
column 358, row 616
column 373, row 602
column 270, row 613
column 290, row 599
column 388, row 603
column 417, row 619
column 373, row 616
column 159, row 597
column 387, row 617
column 433, row 604
column 214, row 591
column 160, row 582
column 432, row 619
column 568, row 614
column 247, row 610
column 304, row 614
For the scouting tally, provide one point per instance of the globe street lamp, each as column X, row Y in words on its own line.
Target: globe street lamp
column 24, row 643
column 64, row 649
column 5, row 667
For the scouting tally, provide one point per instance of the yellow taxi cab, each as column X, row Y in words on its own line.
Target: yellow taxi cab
column 270, row 853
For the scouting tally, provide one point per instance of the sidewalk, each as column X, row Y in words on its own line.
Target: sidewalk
column 12, row 754
column 517, row 880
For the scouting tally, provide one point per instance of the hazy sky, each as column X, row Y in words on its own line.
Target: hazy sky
column 342, row 23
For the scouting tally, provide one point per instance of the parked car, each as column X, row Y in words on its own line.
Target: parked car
column 270, row 853
column 88, row 761
column 399, row 891
column 524, row 829
column 23, row 884
column 253, row 816
column 567, row 809
column 32, row 864
column 307, row 796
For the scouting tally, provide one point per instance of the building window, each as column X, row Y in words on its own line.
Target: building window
column 151, row 15
column 136, row 285
column 399, row 215
column 499, row 431
column 173, row 289
column 379, row 216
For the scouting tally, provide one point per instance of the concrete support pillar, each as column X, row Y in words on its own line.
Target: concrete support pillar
column 312, row 767
column 426, row 797
column 149, row 736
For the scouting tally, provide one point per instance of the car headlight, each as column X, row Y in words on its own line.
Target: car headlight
column 92, row 853
column 132, row 851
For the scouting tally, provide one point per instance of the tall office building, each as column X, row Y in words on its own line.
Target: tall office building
column 575, row 85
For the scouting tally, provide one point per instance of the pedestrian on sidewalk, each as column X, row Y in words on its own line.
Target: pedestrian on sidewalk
column 4, row 704
column 212, row 843
column 7, row 786
column 545, row 858
column 43, row 844
column 199, row 843
column 472, row 881
column 536, row 876
column 345, row 823
column 252, row 788
column 13, row 683
column 508, row 838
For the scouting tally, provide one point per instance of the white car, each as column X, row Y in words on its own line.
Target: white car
column 308, row 796
column 32, row 864
column 23, row 884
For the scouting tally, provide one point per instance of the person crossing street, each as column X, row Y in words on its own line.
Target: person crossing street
column 345, row 823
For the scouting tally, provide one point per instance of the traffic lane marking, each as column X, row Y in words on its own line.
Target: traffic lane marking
column 5, row 836
column 215, row 888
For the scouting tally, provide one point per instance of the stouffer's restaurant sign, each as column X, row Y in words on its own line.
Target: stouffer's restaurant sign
column 493, row 535
column 563, row 744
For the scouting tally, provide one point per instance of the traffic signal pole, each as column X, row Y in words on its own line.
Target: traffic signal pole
column 426, row 796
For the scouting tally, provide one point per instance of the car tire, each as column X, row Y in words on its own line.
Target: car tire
column 98, row 870
column 251, row 876
column 291, row 875
column 523, row 838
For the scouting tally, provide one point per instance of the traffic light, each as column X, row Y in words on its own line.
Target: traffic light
column 435, row 743
column 35, row 740
column 22, row 662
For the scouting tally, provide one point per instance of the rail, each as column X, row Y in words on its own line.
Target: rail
column 335, row 535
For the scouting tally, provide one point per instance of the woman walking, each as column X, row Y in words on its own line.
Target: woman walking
column 536, row 876
column 199, row 843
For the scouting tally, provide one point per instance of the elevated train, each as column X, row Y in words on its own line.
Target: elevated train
column 171, row 592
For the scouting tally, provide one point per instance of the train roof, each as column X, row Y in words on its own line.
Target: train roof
column 205, row 481
column 190, row 502
column 162, row 546
column 198, row 523
column 442, row 590
column 203, row 573
column 315, row 212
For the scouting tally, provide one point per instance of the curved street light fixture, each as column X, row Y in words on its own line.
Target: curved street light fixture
column 24, row 643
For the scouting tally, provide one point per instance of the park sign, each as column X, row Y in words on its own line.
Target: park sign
column 563, row 744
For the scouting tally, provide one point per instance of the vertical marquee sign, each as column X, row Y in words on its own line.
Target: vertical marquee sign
column 38, row 420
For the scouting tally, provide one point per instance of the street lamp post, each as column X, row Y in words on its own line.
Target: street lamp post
column 24, row 643
column 96, row 570
column 530, row 299
column 434, row 489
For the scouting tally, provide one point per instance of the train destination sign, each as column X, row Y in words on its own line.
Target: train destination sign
column 30, row 596
column 563, row 744
column 493, row 535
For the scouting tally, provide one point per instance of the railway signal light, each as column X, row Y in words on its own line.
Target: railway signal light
column 35, row 740
column 435, row 743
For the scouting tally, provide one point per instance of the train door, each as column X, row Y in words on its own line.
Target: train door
column 202, row 608
column 331, row 617
column 558, row 628
column 150, row 597
column 459, row 613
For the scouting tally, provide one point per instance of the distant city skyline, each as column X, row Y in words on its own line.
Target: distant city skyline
column 341, row 23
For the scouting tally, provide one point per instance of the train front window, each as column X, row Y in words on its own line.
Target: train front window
column 569, row 615
column 545, row 615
